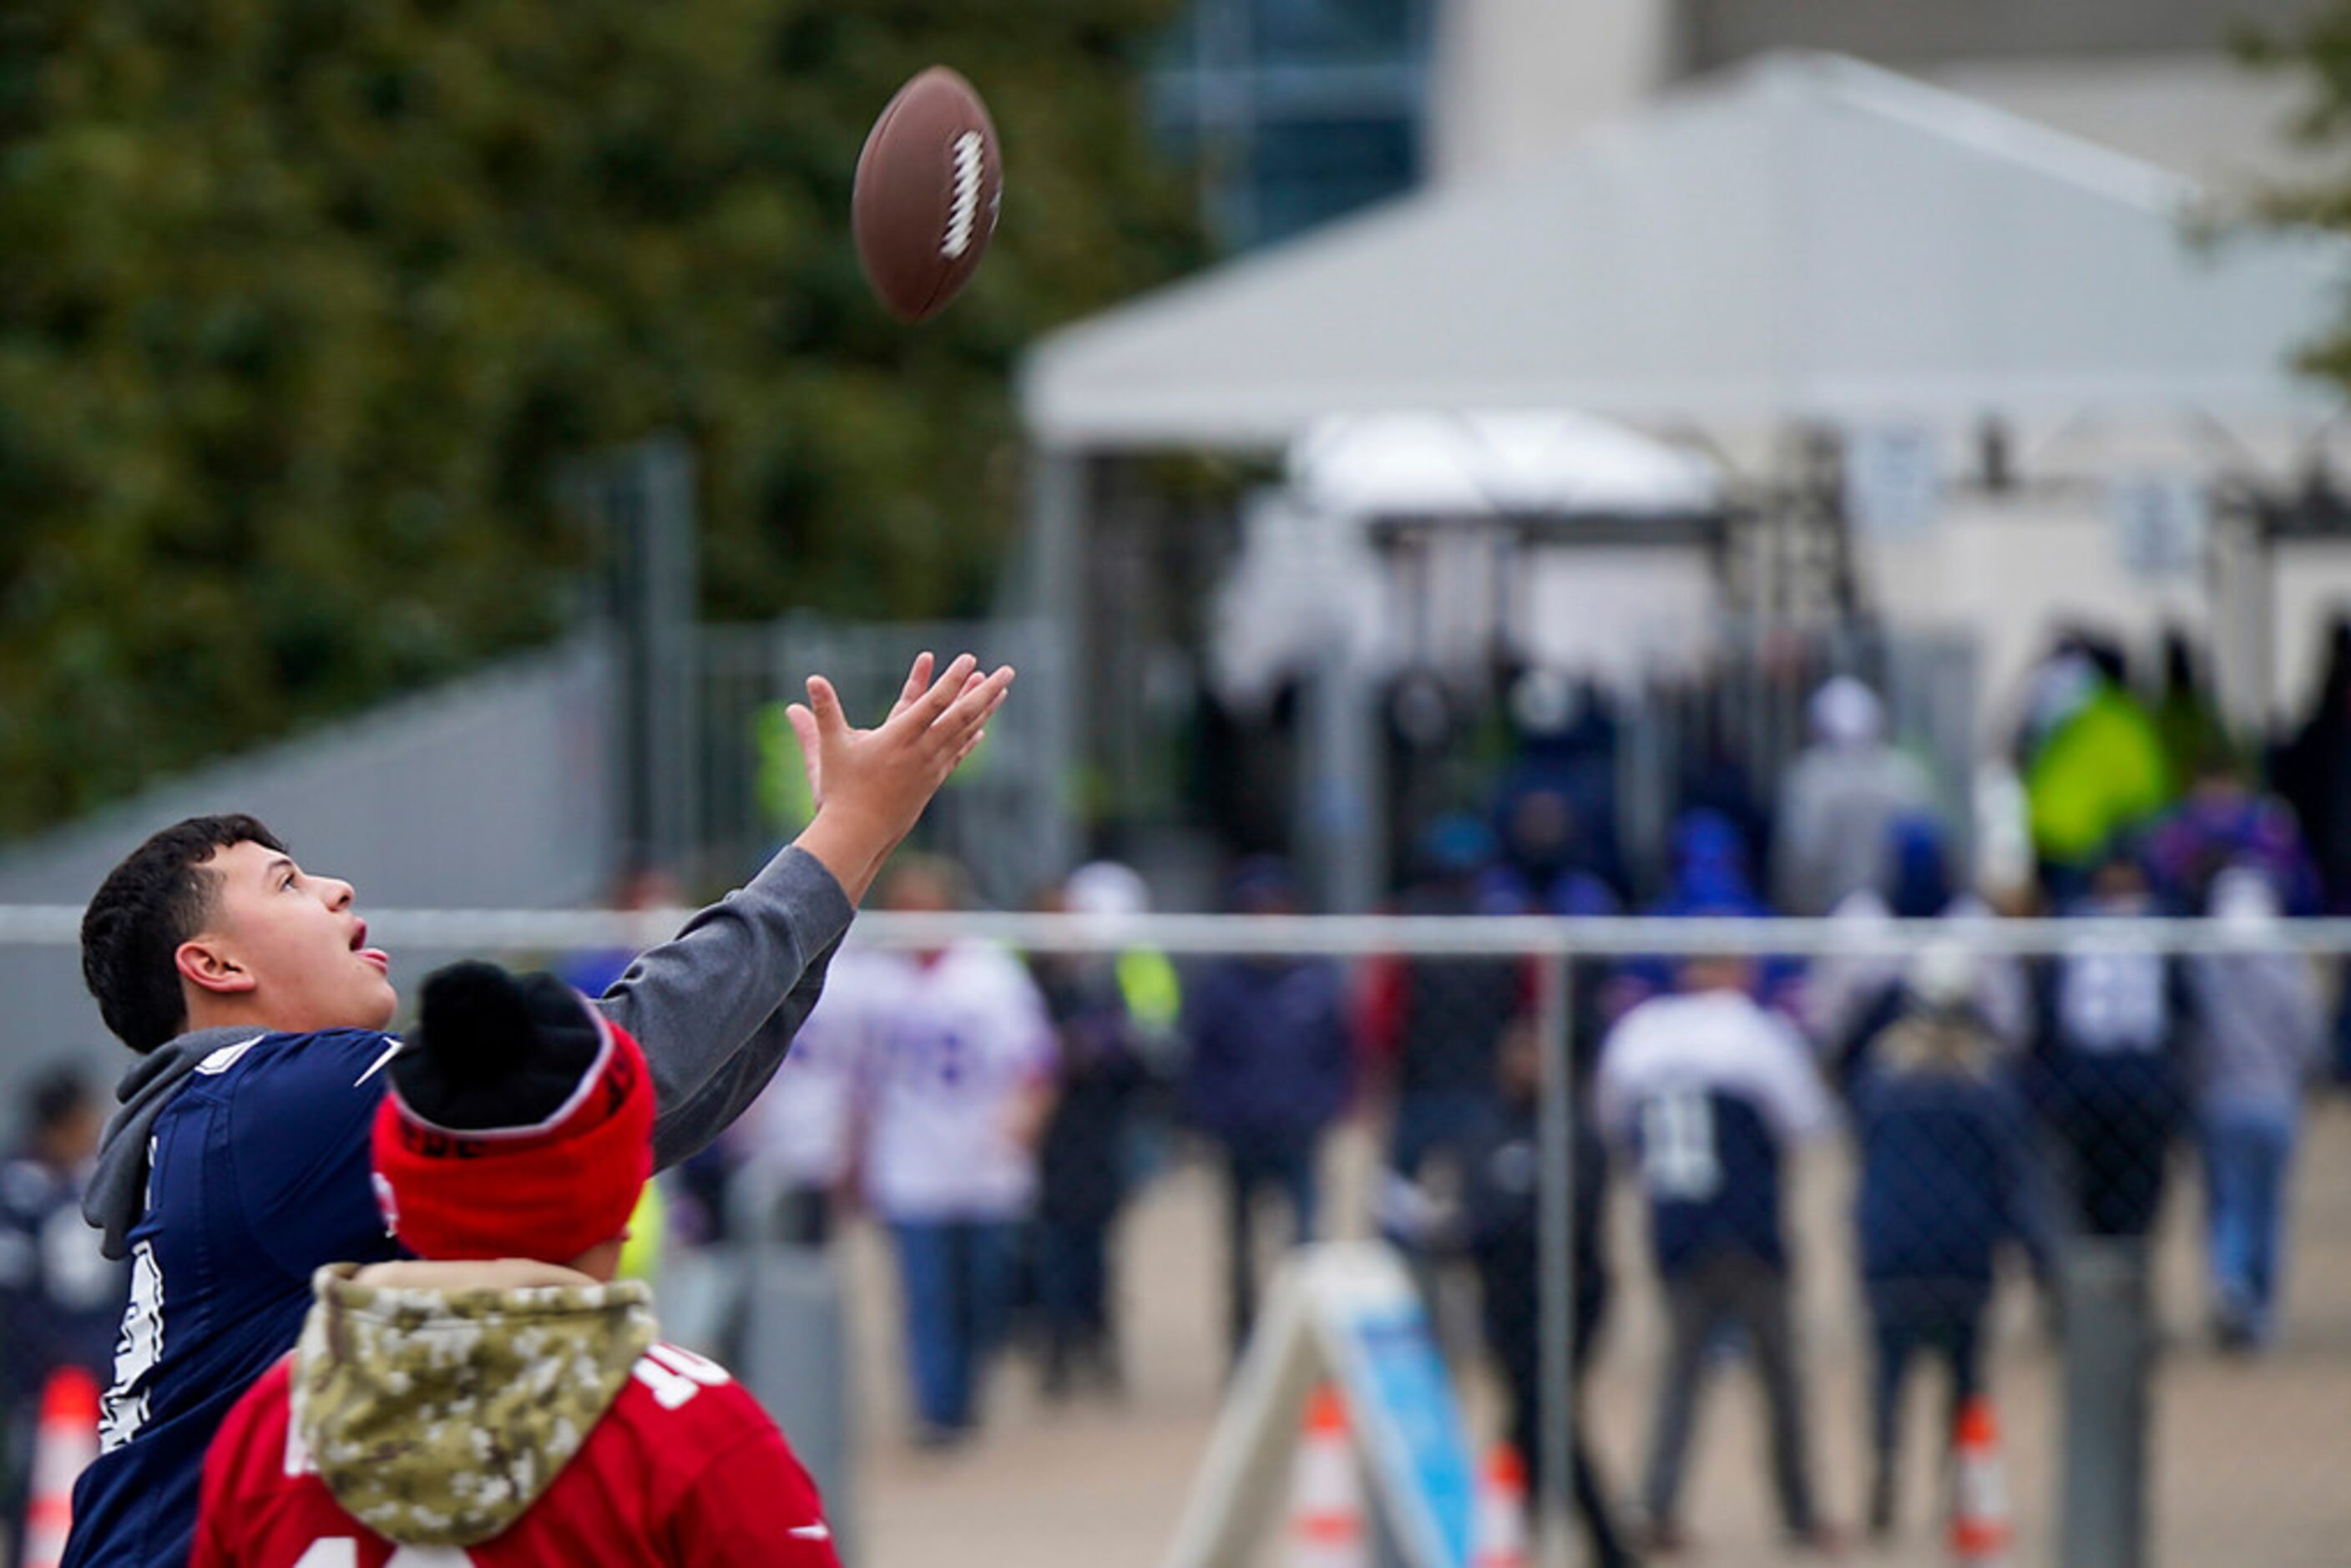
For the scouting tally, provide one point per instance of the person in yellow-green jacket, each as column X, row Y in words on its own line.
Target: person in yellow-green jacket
column 2094, row 766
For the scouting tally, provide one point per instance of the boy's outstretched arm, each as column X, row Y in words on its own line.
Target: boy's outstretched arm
column 715, row 1007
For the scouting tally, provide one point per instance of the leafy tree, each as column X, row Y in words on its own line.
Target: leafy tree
column 303, row 301
column 2315, row 54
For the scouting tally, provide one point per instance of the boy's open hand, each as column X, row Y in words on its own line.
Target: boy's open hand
column 870, row 785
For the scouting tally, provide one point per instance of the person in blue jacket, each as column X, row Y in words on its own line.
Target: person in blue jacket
column 1945, row 1159
column 1710, row 880
column 238, row 1164
column 1272, row 1066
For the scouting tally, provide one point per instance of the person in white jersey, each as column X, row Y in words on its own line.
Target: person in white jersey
column 957, row 1057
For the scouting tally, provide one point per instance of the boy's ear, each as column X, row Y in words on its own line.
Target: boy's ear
column 205, row 963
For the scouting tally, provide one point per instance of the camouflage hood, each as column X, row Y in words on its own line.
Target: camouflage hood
column 440, row 1400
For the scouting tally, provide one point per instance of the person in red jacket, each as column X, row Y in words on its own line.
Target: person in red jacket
column 503, row 1400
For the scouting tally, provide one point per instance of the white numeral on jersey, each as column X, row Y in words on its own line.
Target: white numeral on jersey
column 343, row 1552
column 1678, row 1157
column 136, row 1352
column 676, row 1375
column 2113, row 1004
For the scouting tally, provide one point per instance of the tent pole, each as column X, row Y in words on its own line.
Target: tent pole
column 1057, row 503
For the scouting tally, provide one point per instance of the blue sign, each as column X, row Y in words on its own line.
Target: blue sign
column 1408, row 1400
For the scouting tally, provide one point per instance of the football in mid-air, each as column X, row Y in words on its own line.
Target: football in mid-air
column 928, row 182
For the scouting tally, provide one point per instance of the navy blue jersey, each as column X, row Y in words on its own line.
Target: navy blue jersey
column 1709, row 1089
column 1709, row 1163
column 2113, row 1029
column 60, row 1296
column 258, row 1176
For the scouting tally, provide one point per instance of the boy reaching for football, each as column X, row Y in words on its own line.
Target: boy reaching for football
column 238, row 1164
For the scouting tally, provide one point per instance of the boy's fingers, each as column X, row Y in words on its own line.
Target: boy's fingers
column 972, row 708
column 824, row 705
column 949, row 740
column 947, row 722
column 957, row 730
column 932, row 703
column 803, row 725
column 918, row 678
column 960, row 721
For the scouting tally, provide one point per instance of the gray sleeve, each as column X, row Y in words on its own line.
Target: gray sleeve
column 715, row 1007
column 1795, row 873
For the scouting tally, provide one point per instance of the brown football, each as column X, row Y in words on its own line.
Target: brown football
column 928, row 182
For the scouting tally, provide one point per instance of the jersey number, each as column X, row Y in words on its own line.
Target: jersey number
column 2114, row 1003
column 938, row 1058
column 343, row 1551
column 1678, row 1157
column 136, row 1352
column 676, row 1375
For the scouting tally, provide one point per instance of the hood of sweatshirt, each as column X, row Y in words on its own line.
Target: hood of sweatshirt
column 117, row 1195
column 440, row 1400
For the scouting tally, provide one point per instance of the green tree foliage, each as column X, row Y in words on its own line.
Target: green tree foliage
column 303, row 301
column 2317, row 56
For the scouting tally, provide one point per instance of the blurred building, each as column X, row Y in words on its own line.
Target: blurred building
column 2153, row 79
column 1295, row 111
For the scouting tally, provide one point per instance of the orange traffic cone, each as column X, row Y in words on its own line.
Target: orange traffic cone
column 1501, row 1539
column 1326, row 1495
column 65, row 1440
column 1981, row 1528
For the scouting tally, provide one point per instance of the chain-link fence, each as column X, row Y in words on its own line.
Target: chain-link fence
column 1985, row 1208
column 1003, row 815
column 2060, row 1200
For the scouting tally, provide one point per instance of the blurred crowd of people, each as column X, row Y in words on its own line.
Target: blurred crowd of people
column 995, row 1114
column 1996, row 1105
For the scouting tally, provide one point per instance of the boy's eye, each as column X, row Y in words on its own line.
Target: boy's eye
column 288, row 882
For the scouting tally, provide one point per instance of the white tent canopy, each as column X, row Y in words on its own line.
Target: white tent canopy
column 1806, row 238
column 1471, row 464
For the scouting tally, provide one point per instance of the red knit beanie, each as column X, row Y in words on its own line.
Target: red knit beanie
column 519, row 1124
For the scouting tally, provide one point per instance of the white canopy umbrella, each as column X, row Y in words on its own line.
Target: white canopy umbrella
column 1553, row 464
column 1806, row 237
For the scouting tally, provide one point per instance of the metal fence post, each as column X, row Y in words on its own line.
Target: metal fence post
column 2109, row 1347
column 793, row 1356
column 643, row 499
column 1555, row 1254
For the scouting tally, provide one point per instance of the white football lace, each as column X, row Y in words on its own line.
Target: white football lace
column 965, row 211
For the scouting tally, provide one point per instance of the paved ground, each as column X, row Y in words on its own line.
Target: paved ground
column 2249, row 1468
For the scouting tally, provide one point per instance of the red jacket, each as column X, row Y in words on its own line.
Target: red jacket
column 685, row 1470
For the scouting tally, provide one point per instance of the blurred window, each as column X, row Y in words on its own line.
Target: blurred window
column 1306, row 173
column 1335, row 32
column 1293, row 112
